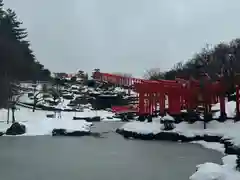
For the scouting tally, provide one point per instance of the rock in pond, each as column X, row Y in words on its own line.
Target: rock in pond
column 16, row 129
column 88, row 119
column 64, row 132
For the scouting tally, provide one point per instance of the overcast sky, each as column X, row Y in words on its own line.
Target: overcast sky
column 124, row 35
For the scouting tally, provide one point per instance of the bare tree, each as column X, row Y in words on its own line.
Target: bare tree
column 13, row 105
column 178, row 66
column 14, row 96
column 37, row 96
column 154, row 74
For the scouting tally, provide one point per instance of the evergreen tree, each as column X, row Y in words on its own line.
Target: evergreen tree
column 17, row 60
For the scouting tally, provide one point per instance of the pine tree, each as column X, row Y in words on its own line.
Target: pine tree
column 1, row 8
column 18, row 32
column 17, row 59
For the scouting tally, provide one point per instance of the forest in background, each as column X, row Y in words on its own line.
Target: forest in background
column 223, row 60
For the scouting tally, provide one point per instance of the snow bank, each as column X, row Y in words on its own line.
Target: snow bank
column 228, row 129
column 212, row 171
column 142, row 127
column 38, row 124
column 230, row 109
column 208, row 171
column 45, row 127
column 229, row 161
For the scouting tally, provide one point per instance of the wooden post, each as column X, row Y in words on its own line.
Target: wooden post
column 237, row 102
column 222, row 108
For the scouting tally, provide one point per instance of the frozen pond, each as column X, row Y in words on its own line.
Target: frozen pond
column 108, row 158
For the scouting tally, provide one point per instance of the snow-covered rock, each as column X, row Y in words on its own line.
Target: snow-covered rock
column 229, row 161
column 16, row 129
column 74, row 87
column 167, row 117
column 212, row 171
column 209, row 171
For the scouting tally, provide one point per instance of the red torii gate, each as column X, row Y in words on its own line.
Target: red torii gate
column 152, row 94
column 116, row 79
column 182, row 94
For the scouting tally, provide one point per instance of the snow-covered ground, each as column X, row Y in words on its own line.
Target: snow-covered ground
column 212, row 171
column 228, row 129
column 38, row 124
column 142, row 127
column 230, row 109
column 73, row 91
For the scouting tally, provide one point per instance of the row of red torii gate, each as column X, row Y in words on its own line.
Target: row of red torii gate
column 172, row 96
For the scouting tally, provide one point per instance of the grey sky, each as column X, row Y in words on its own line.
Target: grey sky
column 124, row 35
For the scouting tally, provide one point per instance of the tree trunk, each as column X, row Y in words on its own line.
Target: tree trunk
column 34, row 107
column 34, row 104
column 8, row 115
column 13, row 115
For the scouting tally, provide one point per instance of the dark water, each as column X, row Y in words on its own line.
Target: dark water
column 89, row 158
